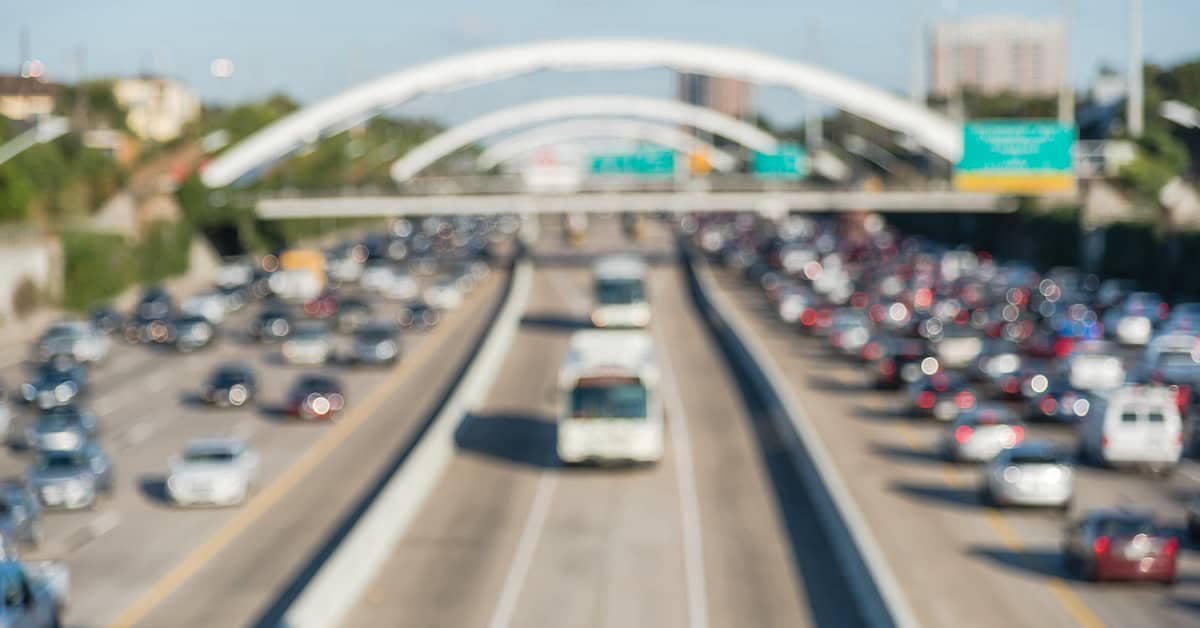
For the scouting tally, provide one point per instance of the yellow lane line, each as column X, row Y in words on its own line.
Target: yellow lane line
column 263, row 501
column 1074, row 605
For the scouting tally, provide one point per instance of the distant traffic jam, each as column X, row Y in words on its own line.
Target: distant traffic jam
column 991, row 349
column 346, row 306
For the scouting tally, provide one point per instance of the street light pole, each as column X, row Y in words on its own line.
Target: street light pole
column 1066, row 89
column 1135, row 103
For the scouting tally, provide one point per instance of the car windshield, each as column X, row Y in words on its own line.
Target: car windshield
column 317, row 384
column 60, row 460
column 311, row 332
column 1176, row 359
column 602, row 398
column 619, row 291
column 209, row 456
column 1032, row 457
column 228, row 377
column 375, row 335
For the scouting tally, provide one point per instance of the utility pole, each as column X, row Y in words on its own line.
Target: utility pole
column 1066, row 89
column 1135, row 102
column 916, row 69
column 813, row 124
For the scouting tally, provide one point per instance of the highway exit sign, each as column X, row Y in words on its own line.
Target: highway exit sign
column 1016, row 157
column 789, row 161
column 642, row 163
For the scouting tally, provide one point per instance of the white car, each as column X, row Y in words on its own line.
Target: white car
column 403, row 287
column 309, row 343
column 212, row 471
column 235, row 274
column 210, row 305
column 376, row 276
column 1030, row 474
column 1133, row 426
column 444, row 294
column 1094, row 366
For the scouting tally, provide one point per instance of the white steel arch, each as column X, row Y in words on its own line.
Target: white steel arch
column 934, row 131
column 528, row 114
column 570, row 131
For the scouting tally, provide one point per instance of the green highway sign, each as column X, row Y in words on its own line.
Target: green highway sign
column 642, row 162
column 1016, row 156
column 789, row 161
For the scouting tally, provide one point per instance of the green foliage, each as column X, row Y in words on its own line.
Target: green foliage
column 25, row 298
column 96, row 267
column 101, row 104
column 164, row 250
column 1147, row 175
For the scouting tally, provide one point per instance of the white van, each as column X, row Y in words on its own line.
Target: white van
column 1133, row 426
column 619, row 292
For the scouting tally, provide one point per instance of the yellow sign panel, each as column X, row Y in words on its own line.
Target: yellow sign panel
column 1031, row 183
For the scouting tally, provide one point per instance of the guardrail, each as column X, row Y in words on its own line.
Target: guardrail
column 881, row 600
column 332, row 586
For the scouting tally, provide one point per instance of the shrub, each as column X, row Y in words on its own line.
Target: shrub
column 25, row 298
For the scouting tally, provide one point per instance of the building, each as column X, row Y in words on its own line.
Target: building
column 998, row 54
column 729, row 96
column 158, row 108
column 24, row 98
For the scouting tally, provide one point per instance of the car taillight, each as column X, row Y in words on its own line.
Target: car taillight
column 1183, row 395
column 925, row 399
column 1163, row 311
column 1063, row 346
column 1171, row 546
column 887, row 367
column 1179, row 438
column 870, row 351
column 964, row 399
column 962, row 433
column 808, row 318
column 1010, row 385
column 1018, row 433
column 1100, row 545
column 1104, row 442
column 1048, row 405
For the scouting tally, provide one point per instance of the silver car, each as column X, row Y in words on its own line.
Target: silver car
column 982, row 432
column 310, row 343
column 72, row 478
column 80, row 340
column 212, row 471
column 1030, row 474
column 375, row 343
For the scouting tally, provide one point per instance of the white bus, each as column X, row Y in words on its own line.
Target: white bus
column 610, row 405
column 619, row 295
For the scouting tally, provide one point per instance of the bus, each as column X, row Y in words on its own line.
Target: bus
column 619, row 295
column 610, row 405
column 301, row 275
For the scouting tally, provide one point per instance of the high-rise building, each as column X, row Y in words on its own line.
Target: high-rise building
column 726, row 95
column 998, row 54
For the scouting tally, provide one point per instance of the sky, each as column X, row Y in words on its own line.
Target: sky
column 311, row 50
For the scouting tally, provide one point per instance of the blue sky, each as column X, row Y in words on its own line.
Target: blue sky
column 312, row 49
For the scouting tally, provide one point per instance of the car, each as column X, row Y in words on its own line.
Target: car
column 309, row 343
column 894, row 362
column 402, row 287
column 982, row 432
column 234, row 297
column 1184, row 318
column 957, row 346
column 190, row 332
column 418, row 315
column 375, row 343
column 210, row 305
column 233, row 384
column 144, row 329
column 20, row 513
column 941, row 396
column 444, row 293
column 1029, row 474
column 212, row 471
column 1134, row 426
column 376, row 276
column 322, row 306
column 998, row 362
column 62, row 427
column 79, row 340
column 72, row 479
column 1057, row 402
column 352, row 313
column 57, row 382
column 155, row 304
column 1134, row 321
column 235, row 273
column 34, row 593
column 316, row 396
column 1120, row 544
column 273, row 323
column 851, row 330
column 106, row 318
column 1094, row 366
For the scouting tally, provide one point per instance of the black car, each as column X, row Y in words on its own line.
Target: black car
column 316, row 396
column 894, row 362
column 1055, row 401
column 156, row 303
column 352, row 313
column 418, row 315
column 106, row 319
column 273, row 323
column 55, row 383
column 941, row 396
column 375, row 343
column 233, row 384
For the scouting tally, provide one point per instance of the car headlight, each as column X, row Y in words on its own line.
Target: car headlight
column 28, row 391
column 1011, row 474
column 64, row 391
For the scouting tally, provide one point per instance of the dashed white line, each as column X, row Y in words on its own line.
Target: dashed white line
column 94, row 529
column 689, row 502
column 535, row 522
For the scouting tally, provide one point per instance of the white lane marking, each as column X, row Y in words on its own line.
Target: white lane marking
column 94, row 529
column 535, row 522
column 135, row 434
column 1191, row 474
column 689, row 502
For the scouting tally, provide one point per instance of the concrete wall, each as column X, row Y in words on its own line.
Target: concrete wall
column 41, row 262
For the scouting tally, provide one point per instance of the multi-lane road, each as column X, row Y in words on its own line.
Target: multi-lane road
column 721, row 532
column 136, row 560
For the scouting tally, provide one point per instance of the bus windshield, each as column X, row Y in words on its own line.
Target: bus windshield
column 608, row 398
column 619, row 291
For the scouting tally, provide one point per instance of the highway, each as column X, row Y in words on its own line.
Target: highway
column 714, row 534
column 136, row 560
column 958, row 562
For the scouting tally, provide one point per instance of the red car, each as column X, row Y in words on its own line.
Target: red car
column 316, row 397
column 1120, row 544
